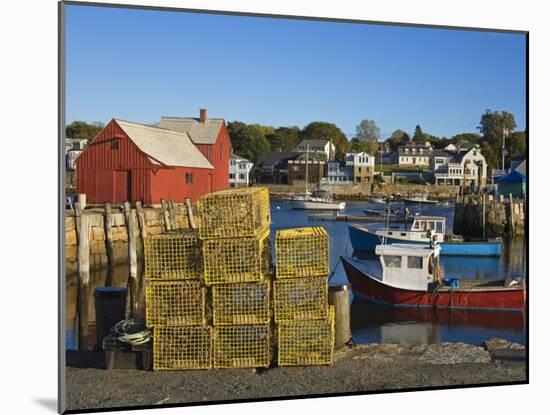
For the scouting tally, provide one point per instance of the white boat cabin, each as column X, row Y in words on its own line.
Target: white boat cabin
column 410, row 267
column 420, row 231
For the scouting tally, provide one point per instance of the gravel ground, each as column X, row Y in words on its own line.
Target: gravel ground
column 370, row 367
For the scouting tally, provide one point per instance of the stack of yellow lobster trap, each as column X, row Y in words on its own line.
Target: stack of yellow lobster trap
column 209, row 295
column 304, row 319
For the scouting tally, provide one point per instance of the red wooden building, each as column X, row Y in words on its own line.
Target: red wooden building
column 130, row 161
column 211, row 137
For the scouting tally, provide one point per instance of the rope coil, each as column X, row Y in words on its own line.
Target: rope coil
column 131, row 332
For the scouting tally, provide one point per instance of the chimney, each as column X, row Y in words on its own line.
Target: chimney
column 202, row 115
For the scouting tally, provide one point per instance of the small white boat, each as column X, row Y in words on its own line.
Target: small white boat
column 320, row 199
column 377, row 200
column 318, row 204
column 419, row 200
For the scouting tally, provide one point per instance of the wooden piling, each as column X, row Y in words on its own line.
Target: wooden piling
column 141, row 222
column 165, row 214
column 108, row 225
column 77, row 214
column 339, row 297
column 190, row 216
column 132, row 257
column 511, row 219
column 81, row 198
column 83, row 281
column 172, row 214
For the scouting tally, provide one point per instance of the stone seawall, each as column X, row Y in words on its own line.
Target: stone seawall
column 503, row 216
column 154, row 224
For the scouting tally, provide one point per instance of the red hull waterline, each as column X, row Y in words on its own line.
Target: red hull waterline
column 373, row 290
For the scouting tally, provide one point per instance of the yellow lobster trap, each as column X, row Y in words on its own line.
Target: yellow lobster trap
column 236, row 260
column 182, row 347
column 300, row 299
column 301, row 252
column 234, row 213
column 174, row 303
column 175, row 255
column 237, row 304
column 243, row 346
column 306, row 343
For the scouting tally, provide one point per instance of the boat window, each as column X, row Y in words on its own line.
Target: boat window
column 390, row 233
column 429, row 225
column 392, row 261
column 414, row 262
column 403, row 233
column 439, row 227
column 423, row 225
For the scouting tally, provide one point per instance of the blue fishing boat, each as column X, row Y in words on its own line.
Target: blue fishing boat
column 423, row 230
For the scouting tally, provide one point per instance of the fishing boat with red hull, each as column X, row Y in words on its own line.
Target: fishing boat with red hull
column 408, row 276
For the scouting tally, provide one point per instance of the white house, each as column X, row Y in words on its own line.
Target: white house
column 455, row 168
column 317, row 146
column 415, row 154
column 362, row 165
column 73, row 149
column 70, row 159
column 239, row 171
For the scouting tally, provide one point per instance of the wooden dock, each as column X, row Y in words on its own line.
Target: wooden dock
column 355, row 218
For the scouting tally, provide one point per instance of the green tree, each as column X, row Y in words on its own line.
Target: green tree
column 327, row 131
column 284, row 138
column 397, row 138
column 491, row 126
column 491, row 156
column 358, row 146
column 419, row 135
column 516, row 144
column 248, row 141
column 439, row 143
column 366, row 137
column 81, row 129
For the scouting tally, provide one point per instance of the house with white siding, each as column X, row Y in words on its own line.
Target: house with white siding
column 462, row 167
column 239, row 171
column 415, row 154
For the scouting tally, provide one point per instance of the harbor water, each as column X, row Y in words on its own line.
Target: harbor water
column 373, row 323
column 385, row 324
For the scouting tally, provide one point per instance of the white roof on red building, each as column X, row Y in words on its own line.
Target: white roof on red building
column 168, row 147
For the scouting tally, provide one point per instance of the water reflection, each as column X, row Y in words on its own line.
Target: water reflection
column 116, row 277
column 379, row 323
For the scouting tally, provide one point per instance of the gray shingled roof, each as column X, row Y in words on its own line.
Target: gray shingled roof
column 442, row 153
column 200, row 133
column 168, row 147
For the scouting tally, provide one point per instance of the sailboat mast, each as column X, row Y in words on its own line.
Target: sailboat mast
column 307, row 162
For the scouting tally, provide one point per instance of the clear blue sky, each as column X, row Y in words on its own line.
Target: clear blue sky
column 141, row 64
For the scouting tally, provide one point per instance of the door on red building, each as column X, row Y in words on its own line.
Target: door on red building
column 123, row 186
